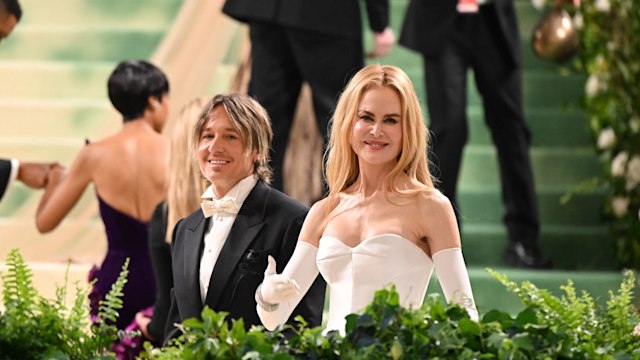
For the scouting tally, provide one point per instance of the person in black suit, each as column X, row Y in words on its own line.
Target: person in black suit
column 485, row 38
column 184, row 188
column 10, row 14
column 219, row 253
column 34, row 175
column 313, row 41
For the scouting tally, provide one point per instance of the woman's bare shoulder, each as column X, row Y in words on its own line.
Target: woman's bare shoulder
column 316, row 220
column 322, row 207
column 432, row 200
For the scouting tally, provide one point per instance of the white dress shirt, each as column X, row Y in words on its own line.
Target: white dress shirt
column 15, row 168
column 219, row 228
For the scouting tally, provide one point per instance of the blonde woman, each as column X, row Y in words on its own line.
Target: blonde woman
column 185, row 185
column 383, row 222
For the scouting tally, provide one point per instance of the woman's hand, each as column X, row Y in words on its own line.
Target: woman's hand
column 277, row 288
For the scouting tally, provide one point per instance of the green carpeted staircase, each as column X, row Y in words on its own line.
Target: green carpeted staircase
column 53, row 73
column 53, row 95
column 562, row 155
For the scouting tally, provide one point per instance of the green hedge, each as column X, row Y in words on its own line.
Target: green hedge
column 570, row 326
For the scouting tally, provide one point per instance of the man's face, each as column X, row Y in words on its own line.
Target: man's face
column 7, row 23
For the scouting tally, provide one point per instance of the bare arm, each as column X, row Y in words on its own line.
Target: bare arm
column 440, row 222
column 63, row 191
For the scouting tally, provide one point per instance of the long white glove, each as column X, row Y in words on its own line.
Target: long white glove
column 454, row 279
column 283, row 292
column 277, row 288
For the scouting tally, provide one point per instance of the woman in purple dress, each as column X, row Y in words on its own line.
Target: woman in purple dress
column 128, row 172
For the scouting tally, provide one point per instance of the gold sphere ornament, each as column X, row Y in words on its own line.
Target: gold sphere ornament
column 555, row 37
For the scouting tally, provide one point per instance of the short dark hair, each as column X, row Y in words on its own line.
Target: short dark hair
column 132, row 83
column 12, row 7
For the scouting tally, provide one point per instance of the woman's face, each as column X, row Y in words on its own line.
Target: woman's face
column 221, row 153
column 376, row 136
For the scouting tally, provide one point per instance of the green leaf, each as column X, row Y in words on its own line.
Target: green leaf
column 523, row 341
column 469, row 327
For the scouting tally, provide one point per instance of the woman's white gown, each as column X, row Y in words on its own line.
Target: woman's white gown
column 355, row 274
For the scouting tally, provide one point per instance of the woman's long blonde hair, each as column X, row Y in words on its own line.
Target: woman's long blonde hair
column 185, row 182
column 341, row 161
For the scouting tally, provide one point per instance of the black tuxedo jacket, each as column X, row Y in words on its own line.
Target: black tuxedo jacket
column 338, row 17
column 428, row 22
column 268, row 223
column 5, row 173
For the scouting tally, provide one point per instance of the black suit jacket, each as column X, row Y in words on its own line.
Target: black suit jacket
column 5, row 173
column 428, row 22
column 268, row 223
column 338, row 17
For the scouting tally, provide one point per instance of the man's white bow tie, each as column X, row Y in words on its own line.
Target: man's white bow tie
column 214, row 206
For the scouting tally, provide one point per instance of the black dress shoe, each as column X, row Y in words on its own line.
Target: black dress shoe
column 523, row 256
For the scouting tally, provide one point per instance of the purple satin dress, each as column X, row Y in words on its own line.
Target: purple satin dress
column 127, row 238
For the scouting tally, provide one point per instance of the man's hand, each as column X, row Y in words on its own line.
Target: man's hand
column 383, row 42
column 36, row 175
column 143, row 322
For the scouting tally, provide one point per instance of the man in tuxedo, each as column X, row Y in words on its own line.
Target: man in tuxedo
column 34, row 175
column 219, row 253
column 10, row 14
column 314, row 41
column 453, row 36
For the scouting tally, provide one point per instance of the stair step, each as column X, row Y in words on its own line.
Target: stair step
column 483, row 245
column 549, row 127
column 11, row 207
column 62, row 150
column 81, row 43
column 59, row 118
column 114, row 13
column 81, row 243
column 33, row 79
column 490, row 294
column 555, row 167
column 551, row 166
column 567, row 91
column 483, row 205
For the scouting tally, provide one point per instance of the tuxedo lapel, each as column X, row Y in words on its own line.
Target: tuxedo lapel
column 193, row 248
column 247, row 225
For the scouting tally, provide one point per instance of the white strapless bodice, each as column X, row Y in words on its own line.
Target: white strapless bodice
column 355, row 274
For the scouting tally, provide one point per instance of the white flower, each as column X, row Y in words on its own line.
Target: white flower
column 620, row 205
column 619, row 164
column 633, row 172
column 538, row 4
column 578, row 21
column 593, row 85
column 636, row 330
column 603, row 5
column 606, row 138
